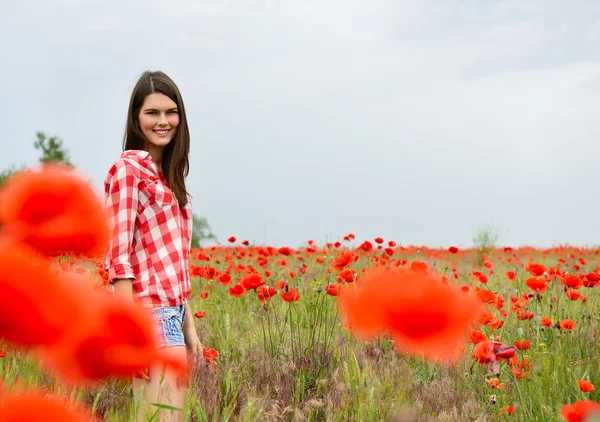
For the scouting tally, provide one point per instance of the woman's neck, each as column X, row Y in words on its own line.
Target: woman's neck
column 156, row 153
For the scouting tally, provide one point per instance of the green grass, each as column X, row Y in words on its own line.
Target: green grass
column 295, row 361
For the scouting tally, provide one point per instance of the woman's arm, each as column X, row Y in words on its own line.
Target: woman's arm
column 189, row 333
column 124, row 287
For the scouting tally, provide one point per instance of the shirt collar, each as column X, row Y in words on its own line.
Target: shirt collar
column 142, row 155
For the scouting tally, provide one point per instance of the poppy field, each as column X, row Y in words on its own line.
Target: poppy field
column 357, row 329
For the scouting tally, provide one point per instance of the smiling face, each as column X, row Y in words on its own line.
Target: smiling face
column 159, row 118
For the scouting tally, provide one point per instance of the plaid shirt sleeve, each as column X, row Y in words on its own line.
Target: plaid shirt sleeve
column 121, row 202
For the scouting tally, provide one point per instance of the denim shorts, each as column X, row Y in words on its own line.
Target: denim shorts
column 169, row 324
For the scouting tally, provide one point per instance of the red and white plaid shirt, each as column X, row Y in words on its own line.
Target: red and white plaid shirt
column 151, row 235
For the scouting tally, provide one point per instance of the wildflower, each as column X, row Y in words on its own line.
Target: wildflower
column 418, row 267
column 378, row 240
column 506, row 409
column 572, row 280
column 538, row 285
column 333, row 290
column 567, row 324
column 580, row 411
column 210, row 354
column 343, row 260
column 117, row 339
column 522, row 345
column 495, row 383
column 237, row 290
column 586, row 386
column 203, row 295
column 511, row 275
column 200, row 314
column 232, row 239
column 265, row 293
column 536, row 270
column 453, row 249
column 224, row 279
column 573, row 294
column 347, row 275
column 28, row 282
column 285, row 251
column 292, row 295
column 38, row 405
column 476, row 337
column 252, row 281
column 546, row 322
column 424, row 316
column 486, row 296
column 54, row 210
column 366, row 246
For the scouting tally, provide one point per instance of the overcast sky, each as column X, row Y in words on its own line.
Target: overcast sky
column 417, row 121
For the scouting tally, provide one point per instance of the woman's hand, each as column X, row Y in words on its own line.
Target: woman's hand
column 192, row 341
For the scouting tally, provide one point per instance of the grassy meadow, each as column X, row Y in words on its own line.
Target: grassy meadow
column 290, row 357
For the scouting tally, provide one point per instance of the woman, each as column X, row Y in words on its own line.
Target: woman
column 148, row 258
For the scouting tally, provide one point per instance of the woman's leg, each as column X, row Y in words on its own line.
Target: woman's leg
column 164, row 387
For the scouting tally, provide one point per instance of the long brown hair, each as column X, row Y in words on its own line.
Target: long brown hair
column 175, row 160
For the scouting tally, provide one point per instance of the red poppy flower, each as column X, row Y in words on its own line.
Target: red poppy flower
column 343, row 260
column 424, row 316
column 292, row 295
column 573, row 294
column 232, row 239
column 522, row 345
column 210, row 354
column 348, row 275
column 546, row 322
column 511, row 275
column 538, row 285
column 54, row 210
column 265, row 293
column 224, row 279
column 28, row 282
column 586, row 386
column 453, row 249
column 485, row 295
column 333, row 290
column 200, row 314
column 495, row 383
column 252, row 281
column 366, row 246
column 580, row 411
column 418, row 267
column 536, row 269
column 32, row 406
column 118, row 338
column 507, row 410
column 567, row 324
column 572, row 280
column 378, row 240
column 203, row 295
column 237, row 290
column 490, row 353
column 476, row 337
